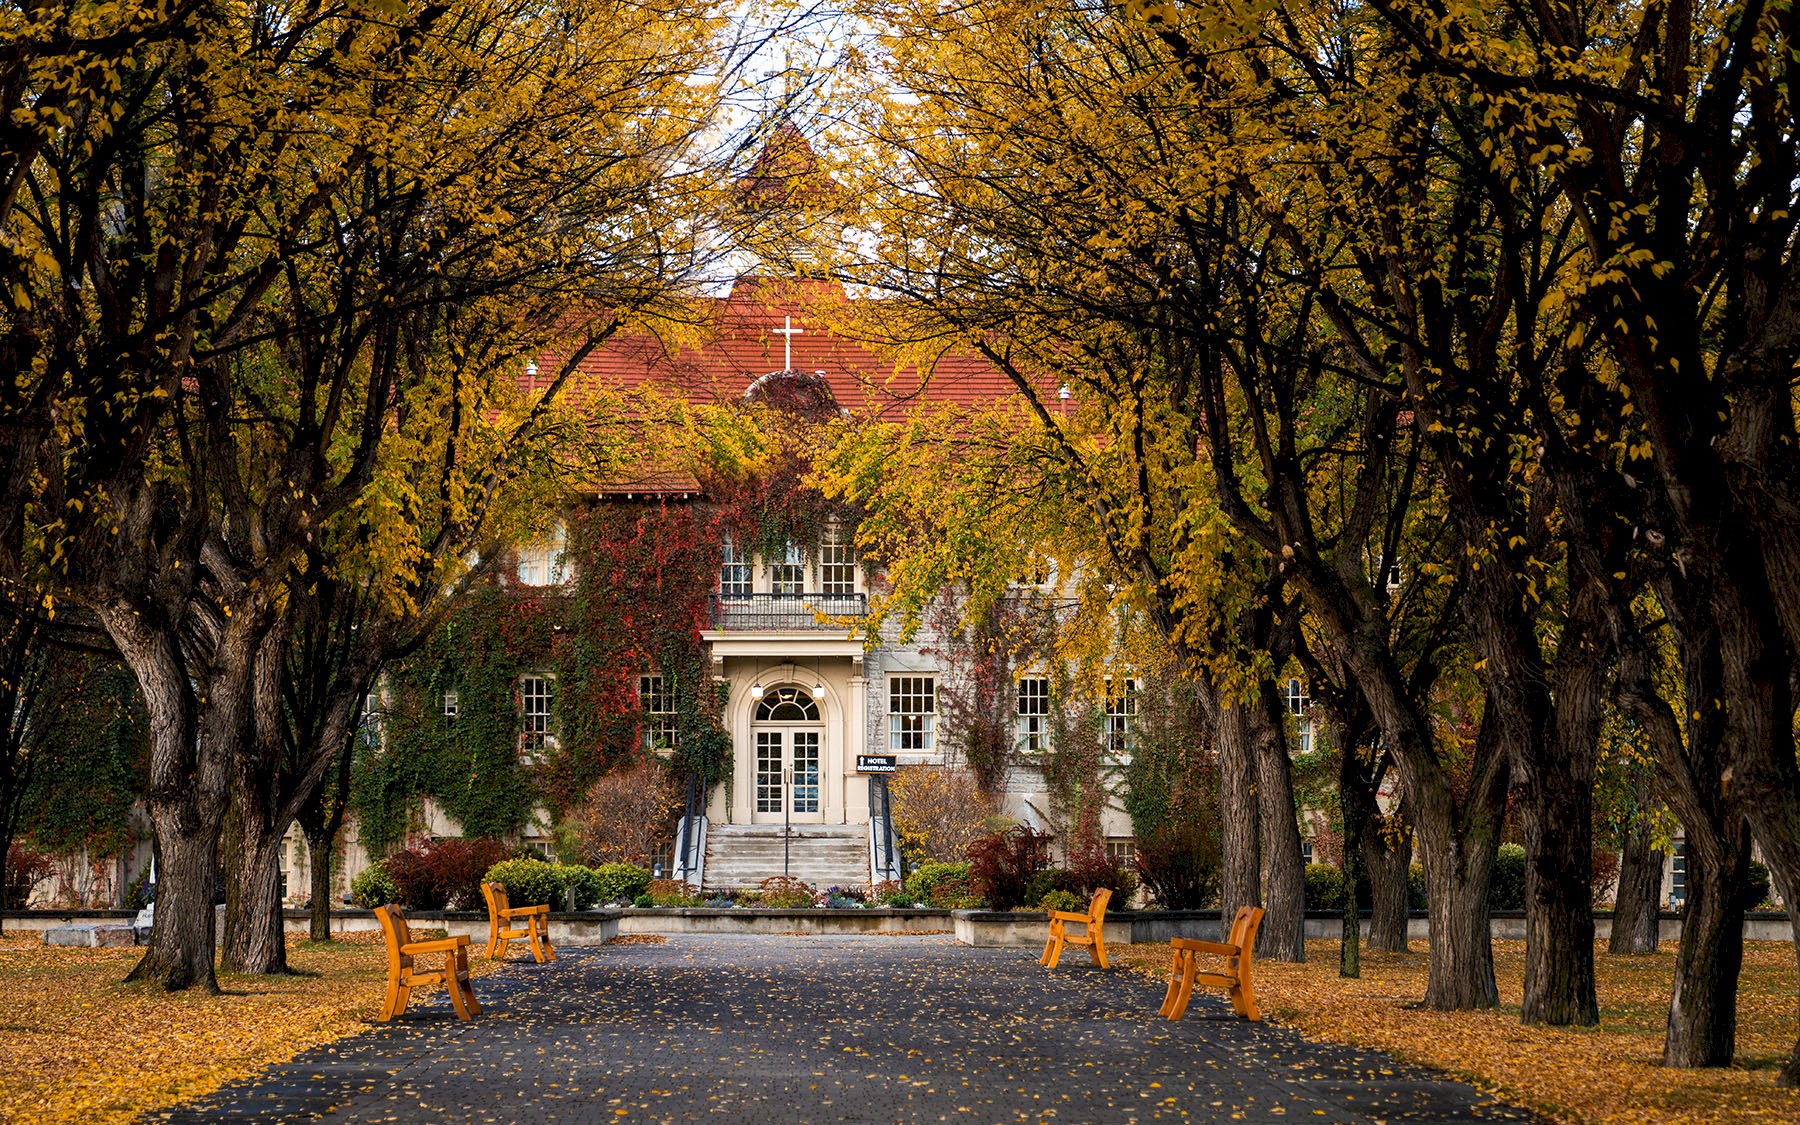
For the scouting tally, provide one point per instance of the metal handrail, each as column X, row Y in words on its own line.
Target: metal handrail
column 787, row 611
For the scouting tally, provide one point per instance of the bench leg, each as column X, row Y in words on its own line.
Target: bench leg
column 1053, row 946
column 1167, row 1011
column 549, row 951
column 493, row 939
column 392, row 1004
column 457, row 999
column 1097, row 946
column 1243, row 1001
column 462, row 975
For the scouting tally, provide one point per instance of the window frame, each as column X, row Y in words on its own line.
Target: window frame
column 533, row 742
column 1119, row 712
column 658, row 714
column 1031, row 728
column 837, row 563
column 732, row 562
column 912, row 731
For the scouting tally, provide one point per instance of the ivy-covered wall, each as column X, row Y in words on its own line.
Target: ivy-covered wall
column 641, row 576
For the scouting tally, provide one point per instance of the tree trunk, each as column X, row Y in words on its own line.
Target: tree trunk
column 1240, row 858
column 1637, row 906
column 255, row 937
column 1702, row 1028
column 318, row 854
column 1462, row 951
column 1557, row 814
column 180, row 954
column 1283, row 933
column 189, row 785
column 1389, row 863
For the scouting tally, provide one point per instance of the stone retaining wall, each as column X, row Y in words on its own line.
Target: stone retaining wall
column 972, row 927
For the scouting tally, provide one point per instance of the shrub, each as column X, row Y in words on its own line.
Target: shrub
column 642, row 901
column 1002, row 865
column 619, row 882
column 528, row 882
column 1415, row 887
column 939, row 811
column 669, row 892
column 1061, row 900
column 25, row 869
column 1052, row 879
column 584, row 882
column 1756, row 888
column 626, row 815
column 1507, row 889
column 1324, row 887
column 782, row 892
column 1179, row 863
column 890, row 893
column 948, row 886
column 443, row 874
column 1093, row 869
column 373, row 887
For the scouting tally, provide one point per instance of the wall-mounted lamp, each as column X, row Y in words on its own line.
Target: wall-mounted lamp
column 818, row 689
column 756, row 690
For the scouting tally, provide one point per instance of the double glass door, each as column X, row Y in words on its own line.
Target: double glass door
column 787, row 733
column 787, row 773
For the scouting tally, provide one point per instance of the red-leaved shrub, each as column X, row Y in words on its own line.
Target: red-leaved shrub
column 443, row 874
column 1002, row 864
column 25, row 869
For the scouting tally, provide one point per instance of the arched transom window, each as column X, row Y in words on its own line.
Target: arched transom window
column 787, row 705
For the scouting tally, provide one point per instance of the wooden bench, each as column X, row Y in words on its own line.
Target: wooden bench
column 1185, row 973
column 403, row 976
column 1094, row 937
column 501, row 931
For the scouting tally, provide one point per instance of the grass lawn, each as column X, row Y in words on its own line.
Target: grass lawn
column 77, row 1045
column 1612, row 1073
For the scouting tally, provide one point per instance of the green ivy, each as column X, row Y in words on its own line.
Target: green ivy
column 641, row 594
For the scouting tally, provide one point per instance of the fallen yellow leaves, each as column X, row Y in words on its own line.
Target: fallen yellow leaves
column 77, row 1045
column 1612, row 1073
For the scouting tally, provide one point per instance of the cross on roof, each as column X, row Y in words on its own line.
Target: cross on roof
column 787, row 332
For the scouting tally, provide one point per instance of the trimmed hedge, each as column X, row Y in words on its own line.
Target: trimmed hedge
column 528, row 882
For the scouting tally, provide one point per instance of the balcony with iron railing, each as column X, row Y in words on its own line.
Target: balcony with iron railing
column 748, row 613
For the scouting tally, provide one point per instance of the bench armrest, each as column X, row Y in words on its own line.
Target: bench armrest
column 1070, row 916
column 1199, row 946
column 442, row 945
column 523, row 911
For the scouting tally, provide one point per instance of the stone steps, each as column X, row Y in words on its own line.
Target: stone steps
column 740, row 856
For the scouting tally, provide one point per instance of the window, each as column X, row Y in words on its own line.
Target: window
column 787, row 575
column 837, row 563
column 1040, row 572
column 1678, row 875
column 452, row 706
column 1120, row 717
column 734, row 572
column 542, row 563
column 535, row 698
column 1122, row 850
column 912, row 703
column 1033, row 721
column 368, row 722
column 656, row 698
column 1306, row 852
column 1293, row 694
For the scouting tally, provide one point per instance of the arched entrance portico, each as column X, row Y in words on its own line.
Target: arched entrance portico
column 787, row 736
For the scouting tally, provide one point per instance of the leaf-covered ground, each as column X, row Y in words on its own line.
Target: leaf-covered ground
column 1612, row 1073
column 77, row 1045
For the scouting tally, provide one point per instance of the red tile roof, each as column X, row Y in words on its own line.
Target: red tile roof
column 743, row 338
